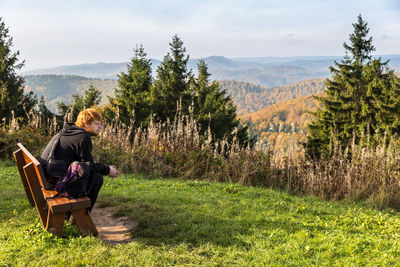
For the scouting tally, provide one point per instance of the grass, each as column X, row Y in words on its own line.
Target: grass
column 203, row 223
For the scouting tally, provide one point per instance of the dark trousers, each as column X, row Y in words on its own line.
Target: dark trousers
column 94, row 187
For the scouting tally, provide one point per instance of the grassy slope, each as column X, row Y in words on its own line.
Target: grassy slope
column 202, row 223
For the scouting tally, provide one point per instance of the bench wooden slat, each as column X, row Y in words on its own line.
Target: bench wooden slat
column 49, row 193
column 36, row 190
column 29, row 158
column 19, row 159
column 80, row 203
column 59, row 205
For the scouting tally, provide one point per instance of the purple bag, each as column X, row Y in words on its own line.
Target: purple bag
column 75, row 182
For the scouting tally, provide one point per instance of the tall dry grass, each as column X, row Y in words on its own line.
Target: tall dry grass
column 372, row 173
column 33, row 133
column 176, row 149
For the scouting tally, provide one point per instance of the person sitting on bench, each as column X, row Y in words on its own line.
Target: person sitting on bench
column 75, row 144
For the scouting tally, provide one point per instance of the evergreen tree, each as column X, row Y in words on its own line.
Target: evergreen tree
column 44, row 112
column 132, row 96
column 211, row 107
column 12, row 97
column 362, row 96
column 172, row 82
column 90, row 98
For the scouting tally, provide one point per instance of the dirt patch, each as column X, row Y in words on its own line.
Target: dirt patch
column 112, row 230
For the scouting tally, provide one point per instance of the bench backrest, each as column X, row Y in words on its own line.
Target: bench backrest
column 28, row 158
column 33, row 179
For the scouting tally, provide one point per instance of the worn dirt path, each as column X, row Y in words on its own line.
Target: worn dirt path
column 112, row 230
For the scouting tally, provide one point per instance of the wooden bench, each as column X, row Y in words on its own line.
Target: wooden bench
column 52, row 210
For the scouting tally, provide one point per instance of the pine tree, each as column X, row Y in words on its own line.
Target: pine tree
column 90, row 98
column 45, row 114
column 12, row 97
column 211, row 107
column 132, row 96
column 362, row 96
column 172, row 82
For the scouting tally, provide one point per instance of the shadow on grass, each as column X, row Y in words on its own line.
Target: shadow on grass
column 161, row 225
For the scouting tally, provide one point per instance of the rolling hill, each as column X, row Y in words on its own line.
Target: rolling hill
column 276, row 125
column 250, row 97
column 265, row 71
column 60, row 88
column 285, row 115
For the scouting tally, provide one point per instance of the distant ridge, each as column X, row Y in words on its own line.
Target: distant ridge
column 280, row 60
column 99, row 70
column 265, row 71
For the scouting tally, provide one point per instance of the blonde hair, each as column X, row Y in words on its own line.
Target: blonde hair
column 87, row 116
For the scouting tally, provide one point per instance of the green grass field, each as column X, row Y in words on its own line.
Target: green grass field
column 202, row 224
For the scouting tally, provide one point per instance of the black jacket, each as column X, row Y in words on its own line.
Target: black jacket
column 75, row 145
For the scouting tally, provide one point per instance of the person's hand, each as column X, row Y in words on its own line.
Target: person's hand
column 113, row 171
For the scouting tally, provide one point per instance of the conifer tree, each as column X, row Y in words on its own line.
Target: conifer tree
column 90, row 98
column 132, row 95
column 362, row 96
column 44, row 112
column 211, row 107
column 172, row 82
column 12, row 97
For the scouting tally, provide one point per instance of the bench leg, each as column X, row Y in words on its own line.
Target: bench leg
column 55, row 223
column 84, row 222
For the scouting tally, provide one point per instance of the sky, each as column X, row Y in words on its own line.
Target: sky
column 58, row 32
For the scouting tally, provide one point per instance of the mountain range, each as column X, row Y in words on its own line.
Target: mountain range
column 265, row 71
